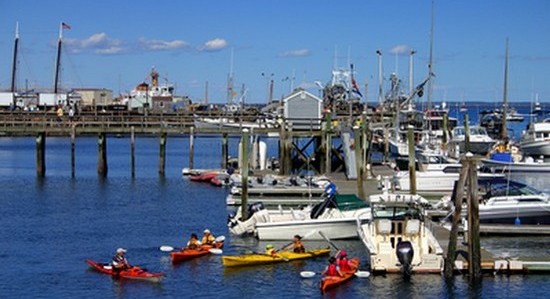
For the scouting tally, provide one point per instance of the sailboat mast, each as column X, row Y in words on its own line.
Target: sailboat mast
column 58, row 59
column 504, row 130
column 14, row 66
column 430, row 65
column 230, row 81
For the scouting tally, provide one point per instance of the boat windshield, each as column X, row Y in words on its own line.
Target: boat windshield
column 395, row 212
column 505, row 188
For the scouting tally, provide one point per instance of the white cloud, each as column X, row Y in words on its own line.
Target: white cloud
column 99, row 43
column 400, row 49
column 216, row 44
column 296, row 53
column 161, row 45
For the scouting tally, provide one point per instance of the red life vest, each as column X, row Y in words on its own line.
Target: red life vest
column 331, row 270
column 344, row 265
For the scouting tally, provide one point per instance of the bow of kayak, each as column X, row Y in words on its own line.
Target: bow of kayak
column 135, row 273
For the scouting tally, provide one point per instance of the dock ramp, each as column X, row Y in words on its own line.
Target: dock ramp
column 349, row 154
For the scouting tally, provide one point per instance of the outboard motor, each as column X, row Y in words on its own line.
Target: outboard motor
column 405, row 254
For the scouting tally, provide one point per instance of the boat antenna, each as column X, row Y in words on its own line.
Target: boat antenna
column 411, row 84
column 504, row 130
column 379, row 53
column 430, row 65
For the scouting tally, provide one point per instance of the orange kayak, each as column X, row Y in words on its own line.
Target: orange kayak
column 330, row 282
column 188, row 254
column 132, row 273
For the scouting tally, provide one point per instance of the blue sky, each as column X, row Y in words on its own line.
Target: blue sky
column 114, row 44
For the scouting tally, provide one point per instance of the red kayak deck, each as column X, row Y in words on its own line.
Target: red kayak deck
column 330, row 282
column 135, row 272
column 188, row 254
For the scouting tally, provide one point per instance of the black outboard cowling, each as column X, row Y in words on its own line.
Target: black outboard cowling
column 405, row 254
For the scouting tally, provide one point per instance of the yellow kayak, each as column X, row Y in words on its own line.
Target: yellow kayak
column 261, row 259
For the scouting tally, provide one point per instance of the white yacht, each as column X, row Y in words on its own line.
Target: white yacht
column 397, row 238
column 480, row 142
column 510, row 202
column 535, row 141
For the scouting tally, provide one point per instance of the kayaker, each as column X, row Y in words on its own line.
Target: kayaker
column 332, row 268
column 119, row 262
column 297, row 246
column 208, row 238
column 269, row 250
column 344, row 264
column 193, row 242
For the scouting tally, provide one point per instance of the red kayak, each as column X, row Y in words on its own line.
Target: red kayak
column 188, row 254
column 135, row 272
column 330, row 282
column 204, row 177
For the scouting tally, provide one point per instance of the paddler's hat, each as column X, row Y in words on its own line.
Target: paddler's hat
column 206, row 231
column 121, row 250
column 269, row 246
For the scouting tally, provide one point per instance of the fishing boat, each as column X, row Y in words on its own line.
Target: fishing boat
column 335, row 216
column 331, row 282
column 255, row 259
column 535, row 141
column 397, row 238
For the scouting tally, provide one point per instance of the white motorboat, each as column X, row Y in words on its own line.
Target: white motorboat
column 335, row 217
column 433, row 182
column 535, row 141
column 503, row 162
column 480, row 142
column 510, row 202
column 397, row 238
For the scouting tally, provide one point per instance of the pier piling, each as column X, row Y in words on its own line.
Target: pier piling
column 458, row 194
column 132, row 152
column 224, row 151
column 41, row 154
column 474, row 246
column 359, row 161
column 412, row 162
column 73, row 136
column 191, row 146
column 244, row 173
column 466, row 133
column 162, row 154
column 102, row 154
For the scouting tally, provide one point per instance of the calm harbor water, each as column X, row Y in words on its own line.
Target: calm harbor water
column 50, row 226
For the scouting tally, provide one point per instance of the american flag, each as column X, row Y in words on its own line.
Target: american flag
column 65, row 25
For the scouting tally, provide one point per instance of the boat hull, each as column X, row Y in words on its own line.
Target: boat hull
column 527, row 215
column 331, row 282
column 135, row 273
column 339, row 228
column 516, row 166
column 536, row 148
